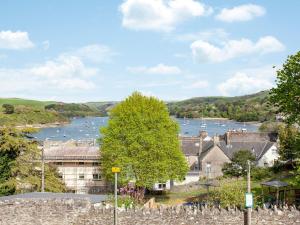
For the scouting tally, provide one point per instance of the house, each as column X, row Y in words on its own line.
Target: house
column 221, row 150
column 77, row 164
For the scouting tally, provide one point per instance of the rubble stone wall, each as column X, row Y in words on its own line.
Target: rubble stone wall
column 83, row 212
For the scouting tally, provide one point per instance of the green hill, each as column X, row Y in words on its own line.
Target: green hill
column 254, row 107
column 25, row 102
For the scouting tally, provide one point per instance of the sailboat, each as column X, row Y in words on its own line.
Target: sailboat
column 184, row 121
column 203, row 125
column 244, row 128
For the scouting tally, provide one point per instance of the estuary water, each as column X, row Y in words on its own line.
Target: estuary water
column 88, row 128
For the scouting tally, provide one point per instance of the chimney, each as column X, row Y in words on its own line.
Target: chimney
column 216, row 139
column 203, row 134
column 227, row 137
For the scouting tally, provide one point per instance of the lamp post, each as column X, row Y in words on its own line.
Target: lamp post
column 249, row 197
column 116, row 170
column 43, row 171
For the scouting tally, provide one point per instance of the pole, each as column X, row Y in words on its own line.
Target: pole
column 116, row 199
column 43, row 172
column 249, row 191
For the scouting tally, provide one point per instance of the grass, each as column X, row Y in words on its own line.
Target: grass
column 25, row 102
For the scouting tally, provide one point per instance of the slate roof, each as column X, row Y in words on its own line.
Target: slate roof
column 258, row 148
column 71, row 152
column 191, row 145
column 275, row 183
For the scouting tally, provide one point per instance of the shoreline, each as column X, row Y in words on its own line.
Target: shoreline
column 40, row 126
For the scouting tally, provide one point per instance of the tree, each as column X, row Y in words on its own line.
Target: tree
column 289, row 148
column 142, row 140
column 286, row 96
column 20, row 163
column 8, row 108
column 238, row 165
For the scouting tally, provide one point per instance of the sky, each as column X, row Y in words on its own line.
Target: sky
column 96, row 50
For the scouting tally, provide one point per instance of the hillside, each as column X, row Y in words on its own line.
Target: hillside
column 25, row 102
column 254, row 107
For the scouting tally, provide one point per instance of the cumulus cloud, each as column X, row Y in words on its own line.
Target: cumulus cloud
column 205, row 51
column 248, row 81
column 211, row 34
column 241, row 13
column 15, row 40
column 197, row 85
column 95, row 53
column 158, row 69
column 160, row 15
column 64, row 74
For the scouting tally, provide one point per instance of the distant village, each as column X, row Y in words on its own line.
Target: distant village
column 78, row 161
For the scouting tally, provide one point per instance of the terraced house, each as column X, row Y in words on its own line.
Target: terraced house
column 78, row 162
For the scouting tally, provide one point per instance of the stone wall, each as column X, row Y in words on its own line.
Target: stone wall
column 83, row 212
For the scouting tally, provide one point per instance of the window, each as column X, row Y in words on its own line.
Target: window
column 208, row 169
column 96, row 163
column 81, row 163
column 81, row 176
column 58, row 163
column 60, row 176
column 96, row 176
column 162, row 185
column 274, row 151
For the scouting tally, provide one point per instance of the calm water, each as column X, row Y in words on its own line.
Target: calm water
column 86, row 128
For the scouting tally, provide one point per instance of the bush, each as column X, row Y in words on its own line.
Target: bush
column 260, row 173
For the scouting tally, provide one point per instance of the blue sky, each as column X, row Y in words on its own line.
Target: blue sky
column 78, row 51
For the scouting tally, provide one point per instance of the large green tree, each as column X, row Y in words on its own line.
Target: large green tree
column 20, row 165
column 289, row 148
column 142, row 140
column 286, row 96
column 238, row 165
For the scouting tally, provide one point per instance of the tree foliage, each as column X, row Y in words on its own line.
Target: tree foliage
column 253, row 107
column 8, row 108
column 238, row 165
column 142, row 140
column 20, row 165
column 289, row 148
column 287, row 93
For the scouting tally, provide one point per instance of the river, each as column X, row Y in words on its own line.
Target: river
column 88, row 128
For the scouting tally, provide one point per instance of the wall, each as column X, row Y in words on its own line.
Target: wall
column 216, row 158
column 70, row 172
column 82, row 212
column 269, row 157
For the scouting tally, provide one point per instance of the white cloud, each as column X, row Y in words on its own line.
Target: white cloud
column 197, row 85
column 64, row 66
column 15, row 40
column 95, row 53
column 241, row 13
column 248, row 81
column 64, row 74
column 158, row 69
column 212, row 34
column 160, row 15
column 205, row 51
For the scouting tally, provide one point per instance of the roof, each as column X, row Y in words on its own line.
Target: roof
column 206, row 148
column 236, row 136
column 258, row 148
column 275, row 183
column 191, row 145
column 71, row 152
column 50, row 195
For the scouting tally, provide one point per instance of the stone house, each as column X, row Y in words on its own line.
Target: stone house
column 221, row 150
column 77, row 164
